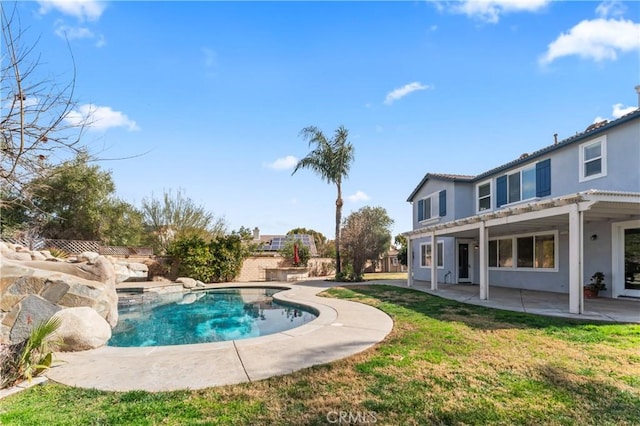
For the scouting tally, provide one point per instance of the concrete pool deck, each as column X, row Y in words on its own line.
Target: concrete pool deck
column 342, row 329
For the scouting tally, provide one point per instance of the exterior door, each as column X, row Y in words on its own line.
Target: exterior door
column 464, row 263
column 626, row 264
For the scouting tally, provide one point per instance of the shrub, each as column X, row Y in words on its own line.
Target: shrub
column 29, row 358
column 218, row 260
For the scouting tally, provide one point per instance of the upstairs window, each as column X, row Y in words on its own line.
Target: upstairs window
column 484, row 196
column 424, row 209
column 432, row 206
column 525, row 184
column 593, row 156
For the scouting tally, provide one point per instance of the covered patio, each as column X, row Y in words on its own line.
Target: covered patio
column 568, row 216
column 537, row 302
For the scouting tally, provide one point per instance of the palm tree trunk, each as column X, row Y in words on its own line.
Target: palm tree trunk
column 338, row 220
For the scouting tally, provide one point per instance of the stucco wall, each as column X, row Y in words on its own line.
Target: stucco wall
column 253, row 268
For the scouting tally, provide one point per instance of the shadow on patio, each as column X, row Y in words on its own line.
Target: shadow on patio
column 533, row 302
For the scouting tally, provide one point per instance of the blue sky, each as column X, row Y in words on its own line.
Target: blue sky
column 216, row 93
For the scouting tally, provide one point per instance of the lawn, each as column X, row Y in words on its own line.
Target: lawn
column 443, row 363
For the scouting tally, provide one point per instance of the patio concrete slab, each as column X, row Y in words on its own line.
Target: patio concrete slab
column 535, row 302
column 342, row 329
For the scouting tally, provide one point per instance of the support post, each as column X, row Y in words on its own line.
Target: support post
column 409, row 262
column 484, row 264
column 434, row 262
column 576, row 303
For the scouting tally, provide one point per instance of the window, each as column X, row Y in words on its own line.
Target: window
column 425, row 254
column 484, row 196
column 593, row 156
column 394, row 261
column 432, row 206
column 424, row 209
column 537, row 251
column 524, row 184
column 505, row 253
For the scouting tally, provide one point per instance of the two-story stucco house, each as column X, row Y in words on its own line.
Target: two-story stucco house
column 546, row 221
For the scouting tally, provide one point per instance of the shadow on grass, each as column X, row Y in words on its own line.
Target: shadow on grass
column 600, row 399
column 389, row 298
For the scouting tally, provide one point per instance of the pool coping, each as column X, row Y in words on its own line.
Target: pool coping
column 342, row 328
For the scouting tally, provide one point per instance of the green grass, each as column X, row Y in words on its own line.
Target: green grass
column 443, row 363
column 378, row 276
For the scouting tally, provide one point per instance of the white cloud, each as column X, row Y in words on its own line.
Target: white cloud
column 358, row 196
column 99, row 118
column 73, row 33
column 285, row 163
column 598, row 39
column 403, row 91
column 610, row 8
column 90, row 10
column 619, row 110
column 491, row 10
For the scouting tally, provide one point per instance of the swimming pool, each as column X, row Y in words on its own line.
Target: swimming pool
column 206, row 316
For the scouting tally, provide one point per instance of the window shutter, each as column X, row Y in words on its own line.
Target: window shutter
column 442, row 203
column 501, row 191
column 543, row 178
column 420, row 210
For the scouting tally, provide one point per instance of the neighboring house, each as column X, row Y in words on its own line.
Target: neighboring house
column 546, row 221
column 387, row 263
column 275, row 243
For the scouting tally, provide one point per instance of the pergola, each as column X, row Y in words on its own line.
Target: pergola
column 567, row 213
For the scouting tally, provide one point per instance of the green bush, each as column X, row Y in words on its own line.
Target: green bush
column 218, row 260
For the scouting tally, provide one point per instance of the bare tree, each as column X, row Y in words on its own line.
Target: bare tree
column 34, row 107
column 177, row 216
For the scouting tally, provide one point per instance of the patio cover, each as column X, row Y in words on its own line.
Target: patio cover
column 567, row 213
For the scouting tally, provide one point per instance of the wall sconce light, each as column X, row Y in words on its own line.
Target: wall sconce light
column 594, row 237
column 476, row 246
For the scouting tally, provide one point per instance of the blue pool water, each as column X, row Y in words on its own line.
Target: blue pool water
column 205, row 316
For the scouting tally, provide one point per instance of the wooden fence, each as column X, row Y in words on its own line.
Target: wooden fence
column 79, row 246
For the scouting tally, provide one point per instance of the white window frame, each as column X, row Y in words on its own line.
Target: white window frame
column 519, row 171
column 602, row 140
column 490, row 196
column 435, row 205
column 514, row 252
column 427, row 248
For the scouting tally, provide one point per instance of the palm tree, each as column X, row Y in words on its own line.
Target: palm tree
column 331, row 159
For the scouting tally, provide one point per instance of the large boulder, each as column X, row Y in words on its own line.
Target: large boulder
column 130, row 271
column 31, row 311
column 187, row 282
column 62, row 285
column 81, row 329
